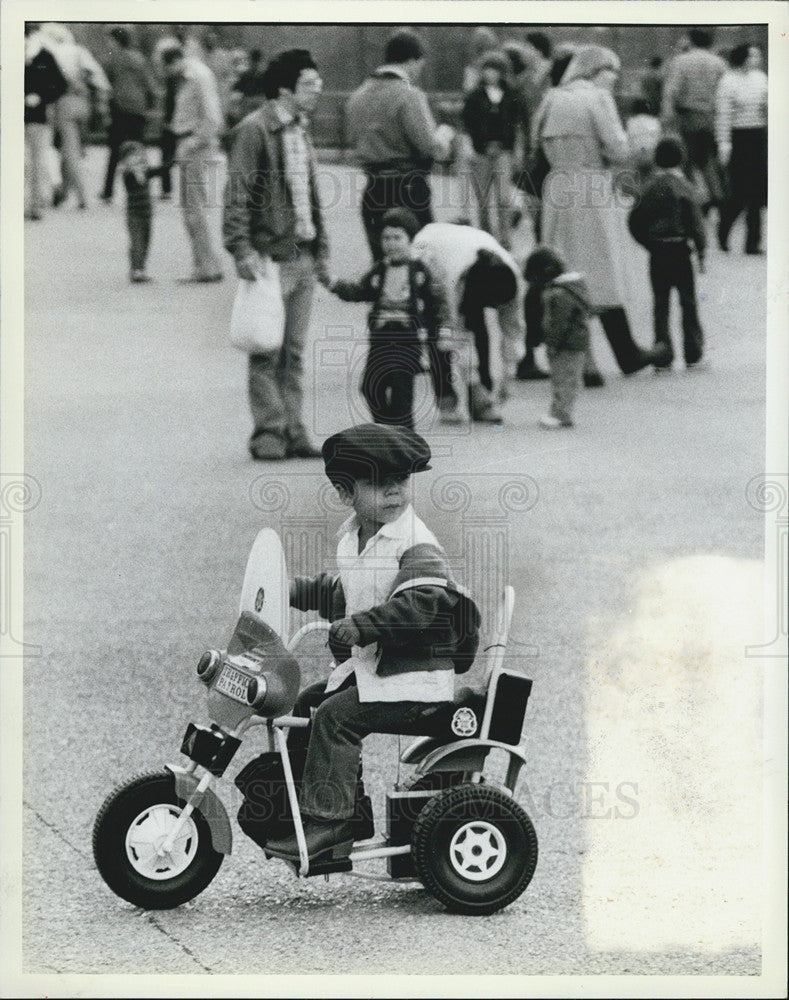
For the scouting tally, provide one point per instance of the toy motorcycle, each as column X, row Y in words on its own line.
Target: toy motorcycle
column 160, row 838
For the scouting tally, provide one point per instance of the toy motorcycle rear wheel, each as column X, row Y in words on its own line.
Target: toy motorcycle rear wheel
column 128, row 834
column 474, row 849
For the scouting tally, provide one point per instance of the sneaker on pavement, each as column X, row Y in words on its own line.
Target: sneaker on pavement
column 486, row 414
column 551, row 423
column 268, row 449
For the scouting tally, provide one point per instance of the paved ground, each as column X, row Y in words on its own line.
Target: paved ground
column 632, row 547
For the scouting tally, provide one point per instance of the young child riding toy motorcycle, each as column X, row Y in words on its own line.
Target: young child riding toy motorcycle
column 400, row 628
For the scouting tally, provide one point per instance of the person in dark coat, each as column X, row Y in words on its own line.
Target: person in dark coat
column 132, row 97
column 667, row 220
column 490, row 117
column 44, row 84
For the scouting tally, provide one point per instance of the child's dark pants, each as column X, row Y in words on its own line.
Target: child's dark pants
column 670, row 267
column 138, row 221
column 388, row 383
column 333, row 764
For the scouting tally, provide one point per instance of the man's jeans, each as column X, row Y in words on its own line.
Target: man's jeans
column 275, row 378
column 199, row 190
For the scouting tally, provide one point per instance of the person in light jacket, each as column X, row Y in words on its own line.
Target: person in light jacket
column 580, row 131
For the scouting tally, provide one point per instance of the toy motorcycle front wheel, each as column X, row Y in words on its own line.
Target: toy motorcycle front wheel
column 474, row 849
column 130, row 829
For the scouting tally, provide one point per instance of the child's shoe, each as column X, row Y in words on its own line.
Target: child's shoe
column 138, row 276
column 483, row 409
column 552, row 423
column 451, row 412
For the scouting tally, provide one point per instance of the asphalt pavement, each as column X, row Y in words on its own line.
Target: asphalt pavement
column 630, row 541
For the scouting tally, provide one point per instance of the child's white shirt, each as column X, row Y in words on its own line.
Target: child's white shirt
column 367, row 579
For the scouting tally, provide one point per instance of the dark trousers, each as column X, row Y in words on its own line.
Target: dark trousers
column 387, row 189
column 474, row 320
column 123, row 126
column 388, row 382
column 747, row 186
column 334, row 743
column 167, row 146
column 670, row 267
column 138, row 222
column 703, row 156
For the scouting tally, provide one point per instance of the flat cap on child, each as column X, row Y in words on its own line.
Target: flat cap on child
column 371, row 451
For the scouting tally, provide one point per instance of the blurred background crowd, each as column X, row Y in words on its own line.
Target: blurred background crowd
column 561, row 130
column 116, row 86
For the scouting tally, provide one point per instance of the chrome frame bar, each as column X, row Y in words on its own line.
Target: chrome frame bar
column 282, row 746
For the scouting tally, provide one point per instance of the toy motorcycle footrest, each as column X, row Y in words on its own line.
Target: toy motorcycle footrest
column 329, row 866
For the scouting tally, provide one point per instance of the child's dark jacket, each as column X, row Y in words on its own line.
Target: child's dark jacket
column 667, row 212
column 427, row 623
column 487, row 122
column 426, row 307
column 566, row 311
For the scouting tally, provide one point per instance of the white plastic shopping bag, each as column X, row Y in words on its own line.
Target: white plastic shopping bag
column 257, row 324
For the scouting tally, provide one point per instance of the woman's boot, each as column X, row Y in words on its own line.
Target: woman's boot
column 629, row 356
column 592, row 377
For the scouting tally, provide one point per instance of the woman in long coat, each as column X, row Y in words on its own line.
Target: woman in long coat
column 581, row 135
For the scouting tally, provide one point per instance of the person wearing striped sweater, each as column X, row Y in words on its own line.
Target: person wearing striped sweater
column 741, row 133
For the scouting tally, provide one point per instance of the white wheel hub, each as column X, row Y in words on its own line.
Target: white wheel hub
column 478, row 851
column 145, row 839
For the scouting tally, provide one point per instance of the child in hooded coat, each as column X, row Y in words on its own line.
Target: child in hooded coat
column 566, row 311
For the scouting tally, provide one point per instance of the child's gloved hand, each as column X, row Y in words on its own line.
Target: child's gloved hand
column 344, row 632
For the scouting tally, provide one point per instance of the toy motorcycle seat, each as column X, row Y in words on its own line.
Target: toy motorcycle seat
column 495, row 712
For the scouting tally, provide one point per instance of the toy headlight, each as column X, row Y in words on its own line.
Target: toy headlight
column 257, row 690
column 208, row 664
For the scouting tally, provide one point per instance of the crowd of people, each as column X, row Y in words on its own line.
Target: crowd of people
column 539, row 135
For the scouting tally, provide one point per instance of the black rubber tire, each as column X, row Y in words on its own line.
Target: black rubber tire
column 118, row 812
column 444, row 816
